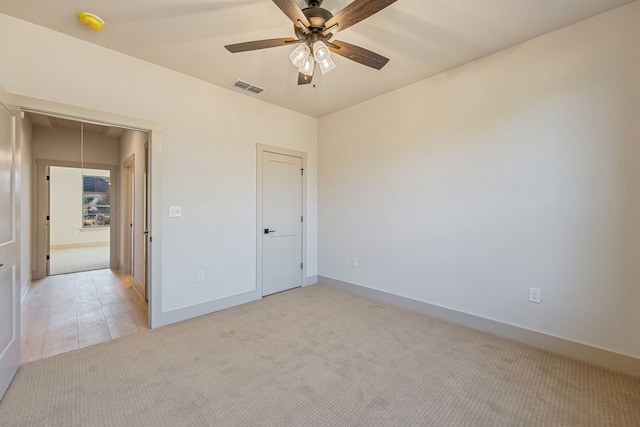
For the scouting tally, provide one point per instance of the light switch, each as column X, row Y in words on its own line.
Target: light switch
column 175, row 211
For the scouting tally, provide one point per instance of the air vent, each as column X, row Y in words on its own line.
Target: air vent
column 247, row 86
column 255, row 89
column 241, row 84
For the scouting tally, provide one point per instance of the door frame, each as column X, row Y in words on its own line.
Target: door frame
column 260, row 150
column 40, row 207
column 155, row 130
column 128, row 206
column 10, row 354
column 147, row 216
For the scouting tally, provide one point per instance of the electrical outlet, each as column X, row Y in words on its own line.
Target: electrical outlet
column 199, row 276
column 175, row 211
column 534, row 295
column 354, row 262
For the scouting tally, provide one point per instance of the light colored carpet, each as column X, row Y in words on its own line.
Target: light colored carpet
column 73, row 260
column 317, row 357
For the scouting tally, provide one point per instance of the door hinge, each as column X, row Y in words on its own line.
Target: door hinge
column 48, row 177
column 301, row 266
column 48, row 217
column 301, row 219
column 301, row 171
column 47, row 257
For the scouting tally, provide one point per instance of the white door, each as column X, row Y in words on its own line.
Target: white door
column 282, row 222
column 9, row 292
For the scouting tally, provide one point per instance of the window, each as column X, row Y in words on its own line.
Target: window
column 96, row 203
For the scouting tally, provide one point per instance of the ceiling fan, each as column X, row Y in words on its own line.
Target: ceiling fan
column 314, row 27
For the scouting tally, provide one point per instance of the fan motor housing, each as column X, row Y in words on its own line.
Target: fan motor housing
column 317, row 17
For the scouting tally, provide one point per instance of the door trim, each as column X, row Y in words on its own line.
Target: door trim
column 260, row 150
column 128, row 186
column 40, row 208
column 10, row 354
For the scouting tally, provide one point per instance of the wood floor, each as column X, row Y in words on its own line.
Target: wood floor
column 66, row 312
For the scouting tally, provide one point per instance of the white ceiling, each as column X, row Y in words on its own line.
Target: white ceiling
column 420, row 37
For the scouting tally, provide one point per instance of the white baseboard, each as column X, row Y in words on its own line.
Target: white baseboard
column 79, row 245
column 178, row 315
column 139, row 287
column 597, row 356
column 24, row 287
column 310, row 280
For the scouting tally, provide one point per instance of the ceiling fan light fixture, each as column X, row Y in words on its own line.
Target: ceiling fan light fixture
column 321, row 51
column 307, row 66
column 314, row 28
column 326, row 65
column 299, row 54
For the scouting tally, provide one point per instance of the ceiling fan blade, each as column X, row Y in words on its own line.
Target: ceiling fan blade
column 356, row 11
column 303, row 79
column 359, row 54
column 259, row 44
column 293, row 11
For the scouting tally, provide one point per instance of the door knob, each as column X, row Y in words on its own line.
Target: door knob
column 267, row 231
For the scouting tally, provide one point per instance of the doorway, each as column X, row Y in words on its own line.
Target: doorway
column 281, row 207
column 101, row 302
column 79, row 219
column 44, row 220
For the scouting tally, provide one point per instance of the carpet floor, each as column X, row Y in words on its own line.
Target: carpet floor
column 83, row 258
column 317, row 357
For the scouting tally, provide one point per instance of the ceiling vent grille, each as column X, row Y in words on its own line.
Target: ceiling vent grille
column 247, row 86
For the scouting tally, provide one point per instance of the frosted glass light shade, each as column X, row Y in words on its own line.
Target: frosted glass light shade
column 321, row 51
column 299, row 54
column 307, row 66
column 326, row 65
column 323, row 56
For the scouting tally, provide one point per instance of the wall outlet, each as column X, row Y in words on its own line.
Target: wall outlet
column 199, row 276
column 354, row 262
column 534, row 295
column 175, row 211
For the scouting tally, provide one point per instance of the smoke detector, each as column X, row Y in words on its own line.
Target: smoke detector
column 92, row 21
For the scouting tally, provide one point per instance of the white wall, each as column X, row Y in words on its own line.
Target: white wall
column 132, row 143
column 520, row 169
column 65, row 207
column 207, row 162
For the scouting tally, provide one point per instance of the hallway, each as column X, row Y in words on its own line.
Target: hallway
column 66, row 312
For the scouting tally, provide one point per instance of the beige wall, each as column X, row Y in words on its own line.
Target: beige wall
column 64, row 144
column 517, row 170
